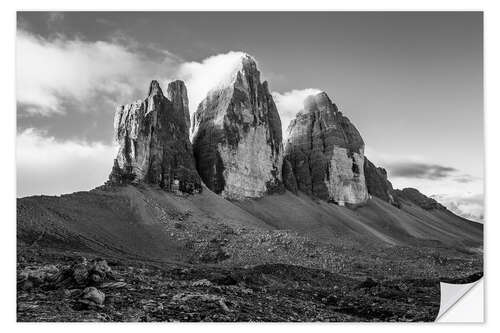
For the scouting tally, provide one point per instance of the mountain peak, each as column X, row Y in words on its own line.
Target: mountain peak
column 320, row 101
column 237, row 139
column 155, row 89
column 153, row 140
column 237, row 64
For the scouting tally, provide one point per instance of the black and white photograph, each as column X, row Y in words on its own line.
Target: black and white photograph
column 247, row 166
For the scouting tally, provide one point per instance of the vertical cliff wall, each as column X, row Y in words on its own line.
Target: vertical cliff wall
column 326, row 153
column 237, row 139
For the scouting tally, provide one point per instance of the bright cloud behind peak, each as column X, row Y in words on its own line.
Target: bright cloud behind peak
column 291, row 102
column 210, row 73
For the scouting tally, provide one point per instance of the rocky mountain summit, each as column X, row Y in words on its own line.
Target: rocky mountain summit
column 324, row 154
column 237, row 139
column 154, row 141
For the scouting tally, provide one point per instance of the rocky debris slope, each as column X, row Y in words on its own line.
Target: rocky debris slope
column 378, row 185
column 237, row 139
column 153, row 135
column 326, row 153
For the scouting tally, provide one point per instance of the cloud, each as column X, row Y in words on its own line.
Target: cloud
column 291, row 102
column 201, row 77
column 460, row 193
column 465, row 179
column 51, row 71
column 48, row 166
column 420, row 170
column 468, row 205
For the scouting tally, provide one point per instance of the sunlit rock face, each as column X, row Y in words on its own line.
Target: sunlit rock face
column 326, row 153
column 236, row 134
column 153, row 136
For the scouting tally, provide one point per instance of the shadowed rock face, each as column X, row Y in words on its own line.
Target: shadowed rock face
column 378, row 184
column 237, row 139
column 326, row 153
column 177, row 94
column 154, row 141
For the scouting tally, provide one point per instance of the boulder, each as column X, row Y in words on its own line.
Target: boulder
column 237, row 139
column 153, row 135
column 326, row 153
column 93, row 296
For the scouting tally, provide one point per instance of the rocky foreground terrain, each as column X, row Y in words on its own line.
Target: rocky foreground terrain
column 236, row 226
column 397, row 284
column 201, row 266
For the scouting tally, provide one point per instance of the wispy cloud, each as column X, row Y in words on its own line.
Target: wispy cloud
column 420, row 170
column 467, row 205
column 201, row 77
column 461, row 193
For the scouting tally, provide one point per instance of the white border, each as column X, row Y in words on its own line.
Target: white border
column 7, row 199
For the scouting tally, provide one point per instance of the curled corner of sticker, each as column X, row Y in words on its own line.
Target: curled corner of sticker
column 451, row 294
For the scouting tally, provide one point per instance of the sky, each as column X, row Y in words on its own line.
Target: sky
column 412, row 83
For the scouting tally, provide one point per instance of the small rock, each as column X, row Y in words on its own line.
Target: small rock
column 202, row 283
column 80, row 274
column 368, row 283
column 93, row 295
column 101, row 267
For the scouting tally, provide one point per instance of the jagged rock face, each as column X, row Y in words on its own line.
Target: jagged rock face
column 326, row 153
column 237, row 139
column 177, row 94
column 377, row 183
column 154, row 141
column 414, row 196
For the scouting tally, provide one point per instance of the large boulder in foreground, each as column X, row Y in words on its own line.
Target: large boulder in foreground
column 153, row 135
column 237, row 139
column 326, row 153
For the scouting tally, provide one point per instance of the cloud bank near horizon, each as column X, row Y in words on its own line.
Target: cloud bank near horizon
column 48, row 166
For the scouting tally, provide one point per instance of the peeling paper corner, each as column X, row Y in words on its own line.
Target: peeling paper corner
column 454, row 303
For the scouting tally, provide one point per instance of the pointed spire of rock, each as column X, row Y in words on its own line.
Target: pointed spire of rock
column 177, row 93
column 155, row 89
